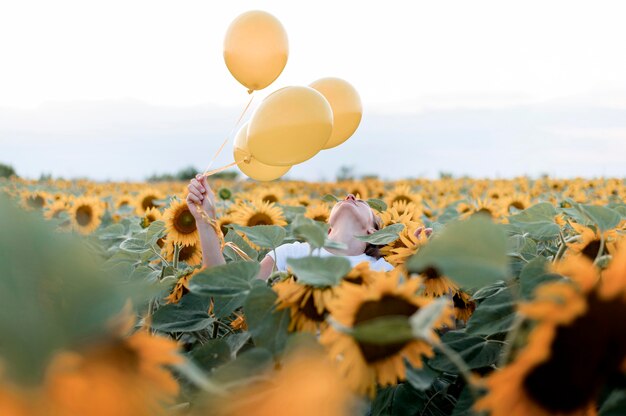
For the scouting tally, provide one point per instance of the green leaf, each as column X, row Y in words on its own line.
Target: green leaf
column 464, row 404
column 534, row 274
column 313, row 234
column 615, row 404
column 267, row 236
column 537, row 221
column 424, row 319
column 377, row 204
column 212, row 354
column 384, row 330
column 267, row 326
column 319, row 271
column 134, row 245
column 224, row 306
column 233, row 237
column 184, row 316
column 155, row 231
column 477, row 352
column 472, row 252
column 421, row 378
column 246, row 365
column 493, row 315
column 384, row 236
column 230, row 279
column 330, row 198
column 605, row 218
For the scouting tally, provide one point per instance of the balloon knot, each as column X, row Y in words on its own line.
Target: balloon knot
column 248, row 159
column 250, row 91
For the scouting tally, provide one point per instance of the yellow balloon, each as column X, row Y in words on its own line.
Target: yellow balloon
column 256, row 49
column 290, row 126
column 250, row 166
column 347, row 108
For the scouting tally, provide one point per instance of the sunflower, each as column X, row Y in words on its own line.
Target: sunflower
column 124, row 376
column 402, row 193
column 191, row 254
column 151, row 215
column 147, row 199
column 436, row 284
column 86, row 214
column 405, row 246
column 392, row 216
column 305, row 384
column 34, row 201
column 271, row 194
column 574, row 348
column 365, row 364
column 356, row 188
column 516, row 202
column 180, row 223
column 318, row 212
column 464, row 306
column 258, row 212
column 223, row 221
column 590, row 241
column 55, row 210
column 308, row 305
column 182, row 285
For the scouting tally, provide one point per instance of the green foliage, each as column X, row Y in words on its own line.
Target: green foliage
column 268, row 327
column 266, row 236
column 6, row 171
column 319, row 271
column 471, row 252
column 387, row 235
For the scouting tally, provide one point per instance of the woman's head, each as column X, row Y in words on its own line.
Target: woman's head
column 355, row 217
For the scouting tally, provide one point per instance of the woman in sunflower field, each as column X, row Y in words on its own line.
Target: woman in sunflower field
column 348, row 218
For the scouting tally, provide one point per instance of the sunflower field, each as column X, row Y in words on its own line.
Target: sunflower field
column 515, row 304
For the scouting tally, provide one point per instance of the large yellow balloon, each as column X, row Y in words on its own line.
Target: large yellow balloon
column 250, row 166
column 346, row 105
column 256, row 49
column 290, row 126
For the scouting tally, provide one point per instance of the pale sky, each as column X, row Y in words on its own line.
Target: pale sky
column 400, row 55
column 85, row 70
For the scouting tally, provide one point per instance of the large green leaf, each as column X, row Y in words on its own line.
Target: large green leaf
column 233, row 237
column 319, row 271
column 377, row 204
column 267, row 236
column 605, row 218
column 493, row 315
column 385, row 236
column 212, row 354
column 477, row 352
column 313, row 234
column 537, row 221
column 230, row 279
column 472, row 252
column 267, row 326
column 189, row 315
column 534, row 274
column 423, row 321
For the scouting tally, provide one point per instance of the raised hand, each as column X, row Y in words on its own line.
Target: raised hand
column 200, row 193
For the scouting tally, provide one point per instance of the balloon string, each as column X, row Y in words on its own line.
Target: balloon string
column 243, row 113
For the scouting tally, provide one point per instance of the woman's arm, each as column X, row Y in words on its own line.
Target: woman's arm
column 201, row 193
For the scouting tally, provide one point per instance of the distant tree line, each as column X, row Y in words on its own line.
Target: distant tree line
column 6, row 171
column 189, row 173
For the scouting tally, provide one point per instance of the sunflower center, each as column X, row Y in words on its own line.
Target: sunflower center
column 386, row 306
column 270, row 198
column 517, row 205
column 591, row 250
column 83, row 215
column 36, row 201
column 184, row 222
column 260, row 218
column 310, row 311
column 321, row 218
column 148, row 202
column 431, row 273
column 583, row 356
column 186, row 253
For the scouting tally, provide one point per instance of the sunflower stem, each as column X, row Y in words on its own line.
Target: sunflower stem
column 176, row 254
column 600, row 250
column 561, row 250
column 460, row 364
column 508, row 343
column 167, row 263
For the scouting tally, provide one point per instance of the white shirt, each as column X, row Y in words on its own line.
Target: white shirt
column 298, row 250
